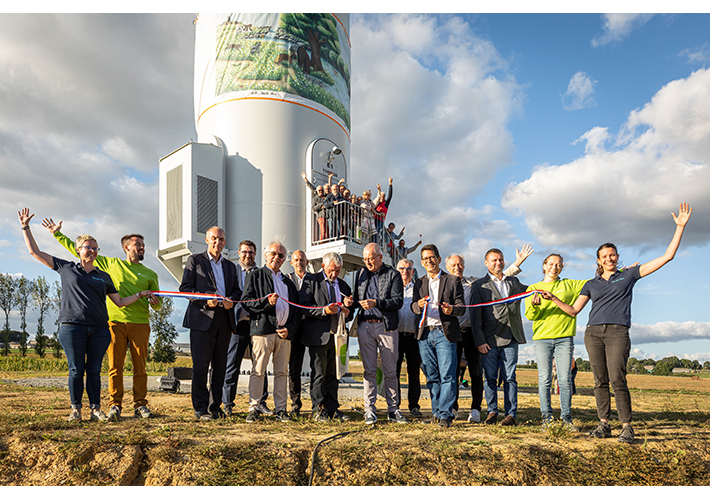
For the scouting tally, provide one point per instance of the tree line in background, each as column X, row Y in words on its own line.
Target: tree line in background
column 20, row 294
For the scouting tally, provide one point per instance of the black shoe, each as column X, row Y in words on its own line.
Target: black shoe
column 320, row 416
column 340, row 416
column 627, row 435
column 444, row 424
column 416, row 413
column 228, row 411
column 218, row 413
column 295, row 414
column 282, row 416
column 253, row 416
column 603, row 430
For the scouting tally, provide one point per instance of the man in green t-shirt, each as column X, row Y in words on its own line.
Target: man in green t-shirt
column 130, row 326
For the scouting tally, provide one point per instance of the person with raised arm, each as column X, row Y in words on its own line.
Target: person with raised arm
column 83, row 317
column 607, row 335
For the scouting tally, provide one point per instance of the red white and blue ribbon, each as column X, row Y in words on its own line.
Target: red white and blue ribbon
column 507, row 300
column 210, row 296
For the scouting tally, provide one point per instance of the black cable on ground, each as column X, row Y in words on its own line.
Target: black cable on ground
column 326, row 440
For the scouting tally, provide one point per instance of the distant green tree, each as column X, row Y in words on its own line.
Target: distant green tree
column 706, row 365
column 630, row 365
column 56, row 302
column 164, row 332
column 44, row 303
column 663, row 368
column 7, row 302
column 686, row 363
column 23, row 293
column 583, row 365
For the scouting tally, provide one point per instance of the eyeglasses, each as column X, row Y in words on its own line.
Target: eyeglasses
column 94, row 249
column 278, row 254
column 247, row 252
column 431, row 257
column 405, row 269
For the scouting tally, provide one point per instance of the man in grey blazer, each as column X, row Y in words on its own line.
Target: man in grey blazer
column 497, row 332
column 211, row 322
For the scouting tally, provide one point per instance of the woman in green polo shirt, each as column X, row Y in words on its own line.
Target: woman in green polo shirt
column 553, row 336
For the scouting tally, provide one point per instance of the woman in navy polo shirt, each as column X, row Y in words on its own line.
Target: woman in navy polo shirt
column 607, row 335
column 84, row 332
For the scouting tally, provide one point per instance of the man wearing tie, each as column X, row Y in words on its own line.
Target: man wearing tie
column 299, row 262
column 211, row 322
column 324, row 290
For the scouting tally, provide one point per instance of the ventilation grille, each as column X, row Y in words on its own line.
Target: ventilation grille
column 174, row 208
column 207, row 213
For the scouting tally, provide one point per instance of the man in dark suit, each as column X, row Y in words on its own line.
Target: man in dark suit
column 211, row 322
column 272, row 324
column 240, row 338
column 497, row 331
column 324, row 289
column 299, row 262
column 439, row 298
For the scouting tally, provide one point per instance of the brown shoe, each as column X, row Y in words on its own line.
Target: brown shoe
column 491, row 418
column 508, row 420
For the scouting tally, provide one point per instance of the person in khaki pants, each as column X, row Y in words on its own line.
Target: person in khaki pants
column 272, row 325
column 130, row 326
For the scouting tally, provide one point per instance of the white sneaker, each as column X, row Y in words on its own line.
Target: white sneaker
column 98, row 415
column 474, row 416
column 75, row 416
column 370, row 418
column 114, row 414
column 455, row 413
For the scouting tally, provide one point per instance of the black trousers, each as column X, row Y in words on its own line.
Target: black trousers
column 409, row 348
column 295, row 367
column 324, row 379
column 473, row 360
column 238, row 344
column 209, row 348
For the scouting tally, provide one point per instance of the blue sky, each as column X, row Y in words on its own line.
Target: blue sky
column 559, row 130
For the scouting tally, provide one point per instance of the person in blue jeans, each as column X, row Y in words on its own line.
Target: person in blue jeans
column 553, row 337
column 83, row 317
column 607, row 334
column 497, row 333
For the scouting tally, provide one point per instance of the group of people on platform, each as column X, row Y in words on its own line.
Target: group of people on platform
column 429, row 321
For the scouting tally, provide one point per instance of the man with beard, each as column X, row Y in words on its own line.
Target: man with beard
column 130, row 326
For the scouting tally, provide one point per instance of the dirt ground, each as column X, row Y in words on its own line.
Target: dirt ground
column 39, row 447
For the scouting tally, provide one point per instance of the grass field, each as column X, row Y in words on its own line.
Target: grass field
column 38, row 446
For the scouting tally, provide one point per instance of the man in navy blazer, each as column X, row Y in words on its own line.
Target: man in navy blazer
column 319, row 326
column 439, row 297
column 497, row 332
column 211, row 322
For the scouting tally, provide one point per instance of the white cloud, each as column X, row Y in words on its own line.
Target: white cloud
column 619, row 26
column 625, row 193
column 579, row 92
column 698, row 55
column 431, row 105
column 669, row 331
column 88, row 104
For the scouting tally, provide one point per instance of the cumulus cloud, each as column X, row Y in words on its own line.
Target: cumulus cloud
column 617, row 27
column 431, row 105
column 626, row 190
column 88, row 104
column 579, row 92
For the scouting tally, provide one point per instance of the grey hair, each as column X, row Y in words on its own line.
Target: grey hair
column 333, row 257
column 375, row 247
column 446, row 262
column 408, row 261
column 276, row 241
